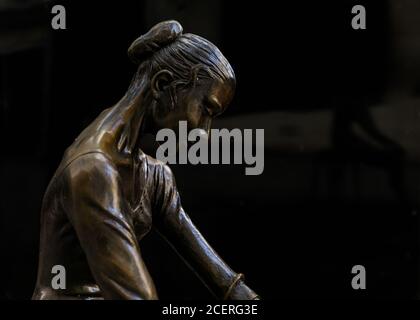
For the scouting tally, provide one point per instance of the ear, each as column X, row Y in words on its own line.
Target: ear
column 160, row 81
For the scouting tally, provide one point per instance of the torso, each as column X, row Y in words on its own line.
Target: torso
column 59, row 244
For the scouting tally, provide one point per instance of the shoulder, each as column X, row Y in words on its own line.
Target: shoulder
column 164, row 184
column 160, row 170
column 93, row 170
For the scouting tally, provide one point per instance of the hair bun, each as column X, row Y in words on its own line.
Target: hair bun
column 157, row 37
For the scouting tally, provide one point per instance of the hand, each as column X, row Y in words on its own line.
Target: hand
column 242, row 292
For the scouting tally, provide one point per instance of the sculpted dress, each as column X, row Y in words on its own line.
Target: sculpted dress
column 99, row 204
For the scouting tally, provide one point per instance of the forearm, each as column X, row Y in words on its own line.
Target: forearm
column 174, row 224
column 201, row 257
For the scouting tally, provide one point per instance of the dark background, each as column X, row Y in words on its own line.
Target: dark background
column 339, row 109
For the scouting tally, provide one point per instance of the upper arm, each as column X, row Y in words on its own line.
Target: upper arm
column 98, row 213
column 167, row 207
column 166, row 190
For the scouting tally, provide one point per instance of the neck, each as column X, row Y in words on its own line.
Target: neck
column 132, row 113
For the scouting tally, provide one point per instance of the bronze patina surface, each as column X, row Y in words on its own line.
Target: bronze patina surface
column 107, row 193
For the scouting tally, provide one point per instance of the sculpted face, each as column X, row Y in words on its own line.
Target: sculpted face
column 197, row 104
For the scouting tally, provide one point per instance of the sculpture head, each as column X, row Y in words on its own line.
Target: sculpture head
column 188, row 77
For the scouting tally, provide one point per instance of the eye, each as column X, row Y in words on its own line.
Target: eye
column 212, row 106
column 208, row 107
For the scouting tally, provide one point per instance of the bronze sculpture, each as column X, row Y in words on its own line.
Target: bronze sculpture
column 107, row 193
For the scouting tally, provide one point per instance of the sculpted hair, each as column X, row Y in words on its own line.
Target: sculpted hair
column 187, row 56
